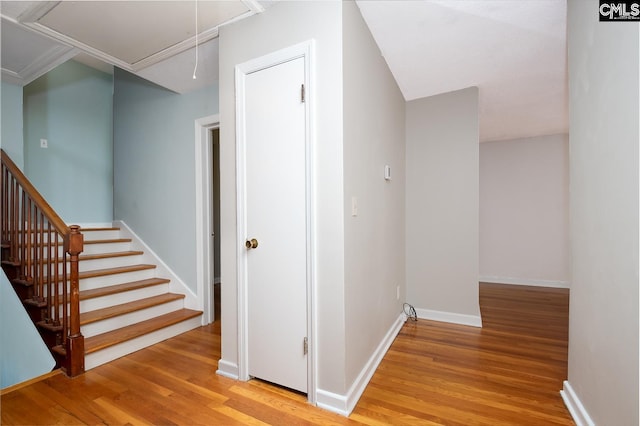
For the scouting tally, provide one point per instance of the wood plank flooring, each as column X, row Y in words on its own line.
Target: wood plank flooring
column 507, row 373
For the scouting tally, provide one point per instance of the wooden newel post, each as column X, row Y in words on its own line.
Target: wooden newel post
column 75, row 339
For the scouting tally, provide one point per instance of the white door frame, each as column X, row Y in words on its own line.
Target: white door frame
column 204, row 212
column 303, row 50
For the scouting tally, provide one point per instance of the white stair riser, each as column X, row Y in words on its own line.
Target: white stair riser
column 105, row 248
column 120, row 321
column 101, row 235
column 107, row 280
column 110, row 262
column 102, row 263
column 109, row 354
column 120, row 298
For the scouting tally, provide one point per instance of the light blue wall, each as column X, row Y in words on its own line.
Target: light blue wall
column 23, row 354
column 154, row 160
column 11, row 122
column 71, row 107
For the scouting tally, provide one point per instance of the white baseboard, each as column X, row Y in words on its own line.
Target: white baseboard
column 191, row 301
column 452, row 317
column 524, row 281
column 228, row 369
column 333, row 402
column 575, row 407
column 344, row 404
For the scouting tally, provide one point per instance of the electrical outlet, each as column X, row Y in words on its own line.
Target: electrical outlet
column 44, row 143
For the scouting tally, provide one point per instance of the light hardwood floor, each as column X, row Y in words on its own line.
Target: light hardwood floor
column 507, row 373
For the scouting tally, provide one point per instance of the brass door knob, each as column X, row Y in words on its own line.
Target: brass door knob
column 251, row 244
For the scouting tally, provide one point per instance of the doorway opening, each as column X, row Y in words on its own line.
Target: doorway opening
column 206, row 130
column 215, row 219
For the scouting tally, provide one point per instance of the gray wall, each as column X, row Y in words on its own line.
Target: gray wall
column 72, row 107
column 11, row 125
column 283, row 25
column 524, row 211
column 442, row 206
column 603, row 313
column 374, row 136
column 154, row 160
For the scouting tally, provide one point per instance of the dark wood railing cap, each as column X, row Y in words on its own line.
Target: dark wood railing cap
column 36, row 197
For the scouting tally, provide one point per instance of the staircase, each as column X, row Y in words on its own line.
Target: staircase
column 91, row 293
column 124, row 305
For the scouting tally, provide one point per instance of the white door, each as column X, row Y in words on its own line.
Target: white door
column 275, row 190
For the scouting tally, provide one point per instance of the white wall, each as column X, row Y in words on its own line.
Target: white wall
column 11, row 125
column 524, row 211
column 374, row 136
column 603, row 312
column 442, row 206
column 286, row 24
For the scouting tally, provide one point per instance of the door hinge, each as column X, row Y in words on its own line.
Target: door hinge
column 302, row 94
column 305, row 346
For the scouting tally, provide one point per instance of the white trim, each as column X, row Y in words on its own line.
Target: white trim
column 253, row 5
column 162, row 269
column 574, row 405
column 11, row 77
column 344, row 404
column 524, row 281
column 70, row 41
column 204, row 246
column 227, row 369
column 451, row 317
column 304, row 50
column 332, row 402
column 30, row 18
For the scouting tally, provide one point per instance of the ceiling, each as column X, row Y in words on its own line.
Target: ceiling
column 153, row 39
column 513, row 50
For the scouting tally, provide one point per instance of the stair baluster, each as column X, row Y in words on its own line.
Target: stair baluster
column 31, row 235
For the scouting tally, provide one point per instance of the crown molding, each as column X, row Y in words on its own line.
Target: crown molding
column 29, row 20
column 12, row 77
column 45, row 63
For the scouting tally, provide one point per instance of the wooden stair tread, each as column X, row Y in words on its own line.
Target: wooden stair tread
column 111, row 338
column 99, row 228
column 116, row 270
column 125, row 308
column 110, row 271
column 120, row 288
column 109, row 255
column 104, row 241
column 109, row 240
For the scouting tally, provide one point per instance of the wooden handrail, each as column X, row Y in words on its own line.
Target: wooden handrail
column 37, row 198
column 31, row 232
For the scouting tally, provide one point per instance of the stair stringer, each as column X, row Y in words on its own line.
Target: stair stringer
column 191, row 300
